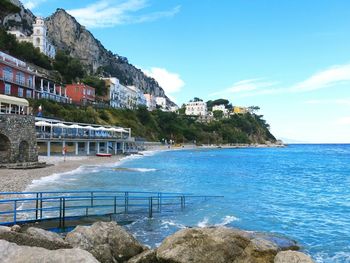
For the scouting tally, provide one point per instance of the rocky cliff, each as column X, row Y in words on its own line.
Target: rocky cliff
column 67, row 34
column 21, row 21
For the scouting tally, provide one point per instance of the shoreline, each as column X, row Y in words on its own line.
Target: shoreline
column 17, row 180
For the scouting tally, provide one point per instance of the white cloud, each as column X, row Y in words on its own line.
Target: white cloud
column 169, row 81
column 107, row 13
column 31, row 4
column 343, row 121
column 247, row 86
column 327, row 78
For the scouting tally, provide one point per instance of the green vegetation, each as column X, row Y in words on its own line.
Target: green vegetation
column 97, row 83
column 70, row 68
column 225, row 102
column 24, row 51
column 156, row 125
column 6, row 7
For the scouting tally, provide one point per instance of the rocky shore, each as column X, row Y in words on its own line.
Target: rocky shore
column 107, row 242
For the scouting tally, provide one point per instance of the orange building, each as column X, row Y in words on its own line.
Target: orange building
column 81, row 94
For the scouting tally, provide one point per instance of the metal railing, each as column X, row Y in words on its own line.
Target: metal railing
column 29, row 207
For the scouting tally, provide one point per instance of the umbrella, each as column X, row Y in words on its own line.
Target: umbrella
column 42, row 124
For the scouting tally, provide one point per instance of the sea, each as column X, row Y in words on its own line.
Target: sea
column 300, row 191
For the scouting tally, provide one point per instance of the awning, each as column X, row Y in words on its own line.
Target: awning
column 13, row 100
column 60, row 125
column 42, row 124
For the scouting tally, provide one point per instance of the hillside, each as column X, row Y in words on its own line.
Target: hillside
column 156, row 125
column 74, row 39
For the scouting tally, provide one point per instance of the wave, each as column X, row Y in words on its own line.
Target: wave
column 338, row 257
column 142, row 170
column 224, row 222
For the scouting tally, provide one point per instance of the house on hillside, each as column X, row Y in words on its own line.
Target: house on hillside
column 17, row 79
column 196, row 108
column 161, row 102
column 81, row 94
column 150, row 102
column 39, row 38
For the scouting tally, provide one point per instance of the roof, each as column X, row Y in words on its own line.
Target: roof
column 13, row 100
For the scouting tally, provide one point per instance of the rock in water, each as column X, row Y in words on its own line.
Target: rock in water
column 148, row 256
column 107, row 241
column 219, row 245
column 292, row 257
column 12, row 253
column 33, row 237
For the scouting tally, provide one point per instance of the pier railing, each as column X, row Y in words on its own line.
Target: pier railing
column 29, row 207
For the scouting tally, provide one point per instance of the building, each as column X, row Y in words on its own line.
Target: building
column 113, row 92
column 174, row 108
column 161, row 102
column 196, row 108
column 81, row 94
column 16, row 78
column 150, row 102
column 141, row 99
column 131, row 97
column 39, row 38
column 45, row 88
column 220, row 108
column 240, row 110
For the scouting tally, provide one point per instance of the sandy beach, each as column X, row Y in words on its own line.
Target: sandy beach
column 17, row 180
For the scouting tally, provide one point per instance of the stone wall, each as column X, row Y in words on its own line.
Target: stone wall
column 17, row 139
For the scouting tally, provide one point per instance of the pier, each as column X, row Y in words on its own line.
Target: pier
column 32, row 207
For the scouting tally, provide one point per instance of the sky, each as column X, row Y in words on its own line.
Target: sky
column 289, row 57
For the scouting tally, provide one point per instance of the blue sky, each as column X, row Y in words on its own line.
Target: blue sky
column 290, row 57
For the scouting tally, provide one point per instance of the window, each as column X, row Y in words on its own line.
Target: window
column 29, row 93
column 20, row 79
column 8, row 75
column 20, row 92
column 30, row 82
column 38, row 31
column 7, row 89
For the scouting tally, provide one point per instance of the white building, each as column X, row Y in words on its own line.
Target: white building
column 220, row 108
column 161, row 102
column 113, row 92
column 196, row 108
column 151, row 102
column 39, row 38
column 141, row 99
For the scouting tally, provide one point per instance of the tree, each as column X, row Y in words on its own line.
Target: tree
column 70, row 68
column 195, row 99
column 218, row 114
column 97, row 83
column 253, row 109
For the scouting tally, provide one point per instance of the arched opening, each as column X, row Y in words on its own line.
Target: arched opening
column 5, row 148
column 23, row 155
column 38, row 41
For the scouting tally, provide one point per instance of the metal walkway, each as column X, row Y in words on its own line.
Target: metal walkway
column 30, row 207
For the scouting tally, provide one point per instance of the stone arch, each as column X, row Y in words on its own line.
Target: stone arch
column 5, row 148
column 23, row 152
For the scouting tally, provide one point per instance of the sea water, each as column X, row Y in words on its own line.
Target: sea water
column 300, row 191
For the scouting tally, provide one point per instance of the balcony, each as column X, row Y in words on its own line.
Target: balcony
column 19, row 82
column 52, row 96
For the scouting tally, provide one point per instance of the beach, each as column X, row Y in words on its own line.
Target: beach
column 12, row 180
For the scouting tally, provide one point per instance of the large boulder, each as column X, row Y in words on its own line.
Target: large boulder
column 33, row 237
column 12, row 253
column 107, row 241
column 292, row 257
column 147, row 256
column 219, row 245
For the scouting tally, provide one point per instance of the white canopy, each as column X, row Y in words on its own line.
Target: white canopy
column 75, row 126
column 13, row 100
column 42, row 124
column 100, row 129
column 60, row 125
column 87, row 127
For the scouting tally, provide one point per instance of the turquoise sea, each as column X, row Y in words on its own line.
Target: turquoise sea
column 300, row 191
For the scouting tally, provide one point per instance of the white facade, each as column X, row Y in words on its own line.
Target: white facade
column 161, row 101
column 220, row 108
column 141, row 99
column 196, row 108
column 38, row 38
column 131, row 97
column 151, row 102
column 113, row 95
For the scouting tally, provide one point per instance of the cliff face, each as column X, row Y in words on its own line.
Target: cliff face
column 67, row 34
column 21, row 21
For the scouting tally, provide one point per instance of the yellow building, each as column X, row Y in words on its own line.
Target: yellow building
column 240, row 110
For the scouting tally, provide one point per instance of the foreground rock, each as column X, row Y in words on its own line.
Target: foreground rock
column 107, row 241
column 33, row 237
column 218, row 245
column 12, row 253
column 292, row 257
